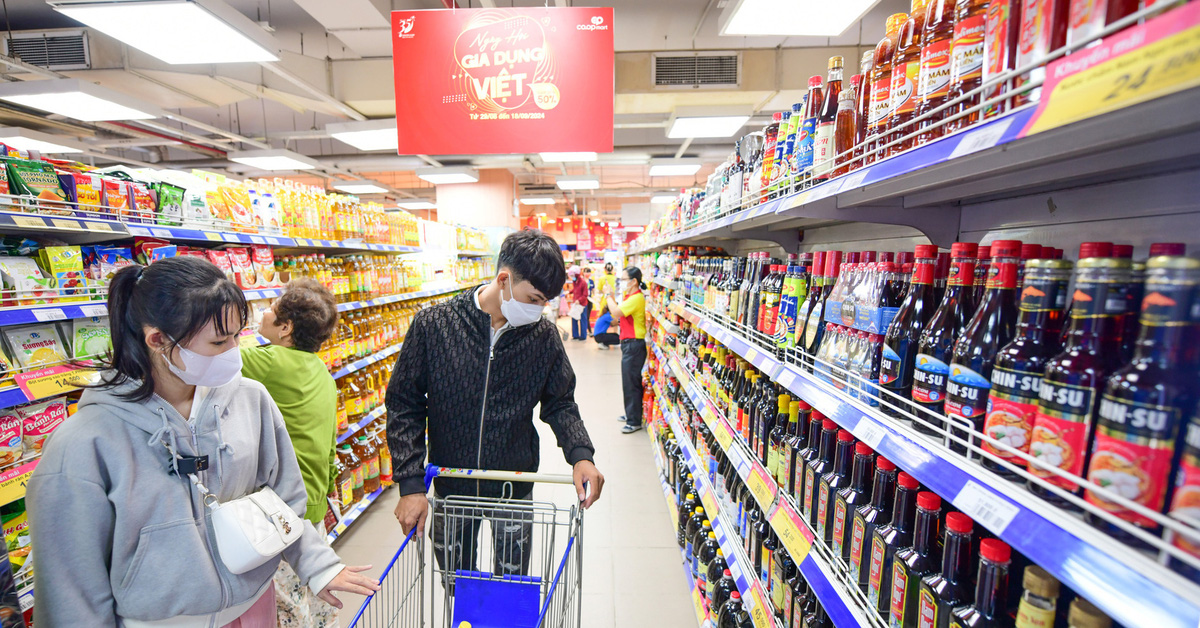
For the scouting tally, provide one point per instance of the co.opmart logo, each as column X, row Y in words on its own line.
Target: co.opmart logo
column 596, row 25
column 405, row 28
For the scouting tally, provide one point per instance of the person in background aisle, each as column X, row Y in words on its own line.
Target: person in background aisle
column 603, row 337
column 607, row 283
column 587, row 308
column 469, row 375
column 579, row 296
column 117, row 502
column 297, row 324
column 631, row 317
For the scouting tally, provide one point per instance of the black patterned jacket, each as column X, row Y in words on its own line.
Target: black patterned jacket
column 476, row 403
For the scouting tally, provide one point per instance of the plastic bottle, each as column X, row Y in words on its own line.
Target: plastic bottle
column 881, row 88
column 943, row 591
column 937, row 42
column 779, row 165
column 1002, row 30
column 906, row 75
column 823, row 145
column 867, row 518
column 991, row 589
column 345, row 478
column 937, row 340
column 916, row 561
column 768, row 164
column 807, row 133
column 966, row 65
column 813, row 296
column 901, row 341
column 813, row 330
column 728, row 612
column 721, row 592
column 366, row 452
column 890, row 538
column 850, row 497
column 359, row 472
column 1039, row 601
column 815, row 468
column 844, row 133
column 385, row 456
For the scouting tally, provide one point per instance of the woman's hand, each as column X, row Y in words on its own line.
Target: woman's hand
column 349, row 581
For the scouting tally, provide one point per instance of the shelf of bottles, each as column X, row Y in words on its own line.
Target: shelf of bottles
column 353, row 514
column 1028, row 103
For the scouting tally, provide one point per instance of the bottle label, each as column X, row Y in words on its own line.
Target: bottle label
column 1086, row 17
column 904, row 89
column 881, row 103
column 823, row 148
column 764, row 573
column 839, row 527
column 966, row 392
column 935, row 69
column 804, row 145
column 768, row 160
column 373, row 467
column 899, row 589
column 962, row 273
column 968, row 49
column 857, row 531
column 923, row 272
column 876, row 577
column 929, row 379
column 1030, row 616
column 788, row 602
column 809, row 493
column 1132, row 455
column 822, row 509
column 777, row 588
column 385, row 466
column 1002, row 275
column 890, row 366
column 346, row 492
column 1186, row 502
column 1043, row 294
column 1011, row 408
column 929, row 610
column 1060, row 430
column 773, row 461
column 358, row 476
column 814, row 325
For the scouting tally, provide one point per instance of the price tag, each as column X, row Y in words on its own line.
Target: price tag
column 162, row 233
column 786, row 378
column 709, row 501
column 213, row 237
column 53, row 380
column 986, row 507
column 735, row 569
column 138, row 231
column 976, row 141
column 698, row 603
column 273, row 241
column 94, row 310
column 760, row 612
column 257, row 240
column 97, row 226
column 870, row 432
column 752, row 355
column 50, row 314
column 230, row 237
column 29, row 221
column 724, row 436
column 61, row 223
column 739, row 462
column 762, row 487
column 792, row 533
column 13, row 481
column 26, row 601
column 854, row 179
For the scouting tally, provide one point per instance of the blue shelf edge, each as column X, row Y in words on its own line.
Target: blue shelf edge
column 367, row 361
column 352, row 516
column 365, row 421
column 395, row 298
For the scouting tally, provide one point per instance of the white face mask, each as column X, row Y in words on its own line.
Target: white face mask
column 516, row 312
column 207, row 370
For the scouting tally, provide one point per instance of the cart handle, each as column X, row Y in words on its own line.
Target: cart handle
column 503, row 476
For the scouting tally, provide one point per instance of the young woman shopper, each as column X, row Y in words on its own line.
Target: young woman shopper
column 116, row 503
column 631, row 317
column 297, row 324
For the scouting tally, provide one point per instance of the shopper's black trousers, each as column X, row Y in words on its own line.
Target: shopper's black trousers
column 633, row 358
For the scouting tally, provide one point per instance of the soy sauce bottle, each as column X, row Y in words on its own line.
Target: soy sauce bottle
column 850, row 498
column 890, row 538
column 782, row 569
column 903, row 335
column 832, row 481
column 1187, row 495
column 1017, row 373
column 814, row 330
column 990, row 609
column 991, row 328
column 867, row 518
column 942, row 592
column 932, row 368
column 1145, row 402
column 817, row 467
column 816, row 281
column 915, row 562
column 806, row 455
column 794, row 444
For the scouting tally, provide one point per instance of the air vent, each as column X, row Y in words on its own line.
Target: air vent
column 54, row 50
column 701, row 69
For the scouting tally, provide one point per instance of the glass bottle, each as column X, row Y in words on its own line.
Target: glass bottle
column 817, row 467
column 783, row 568
column 890, row 538
column 1043, row 29
column 849, row 498
column 774, row 441
column 1039, row 601
column 990, row 609
column 807, row 135
column 785, row 449
column 906, row 74
column 831, row 482
column 942, row 592
column 966, row 64
column 844, row 133
column 768, row 163
column 870, row 516
column 816, row 280
column 903, row 335
column 937, row 340
column 863, row 106
column 914, row 562
column 937, row 43
column 881, row 88
column 823, row 145
column 814, row 330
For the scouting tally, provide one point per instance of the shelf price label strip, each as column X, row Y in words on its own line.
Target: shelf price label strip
column 13, row 481
column 1125, row 594
column 353, row 515
column 365, row 421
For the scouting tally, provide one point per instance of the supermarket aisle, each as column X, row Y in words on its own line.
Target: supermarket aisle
column 632, row 573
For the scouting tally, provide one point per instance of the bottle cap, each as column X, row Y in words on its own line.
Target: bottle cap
column 867, row 61
column 869, row 257
column 1006, row 248
column 735, row 595
column 836, row 62
column 727, row 572
column 894, row 22
column 711, row 535
column 1176, row 262
column 845, row 436
column 828, row 424
column 964, row 249
column 887, row 267
column 1167, row 248
column 985, row 252
column 804, row 405
column 852, row 257
column 856, row 81
column 699, row 510
column 883, row 464
column 777, row 116
column 720, row 552
column 818, row 266
column 815, row 81
column 833, row 263
column 1085, row 615
column 829, row 327
column 995, row 550
column 1123, row 251
column 960, row 523
column 907, row 481
column 862, row 449
column 1039, row 582
column 887, row 256
column 785, row 116
column 907, row 269
column 926, row 251
column 1095, row 249
column 928, row 500
column 1058, row 253
column 1031, row 251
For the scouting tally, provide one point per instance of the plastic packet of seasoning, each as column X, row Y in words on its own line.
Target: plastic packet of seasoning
column 90, row 337
column 237, row 203
column 38, row 179
column 36, row 346
column 116, row 196
column 145, row 205
column 24, row 283
column 221, row 260
column 64, row 266
column 38, row 420
column 264, row 266
column 87, row 191
column 243, row 268
column 170, row 203
column 11, row 447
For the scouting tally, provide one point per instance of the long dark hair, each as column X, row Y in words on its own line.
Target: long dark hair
column 635, row 274
column 178, row 295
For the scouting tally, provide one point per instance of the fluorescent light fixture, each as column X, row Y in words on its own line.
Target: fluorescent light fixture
column 177, row 31
column 366, row 136
column 445, row 176
column 813, row 18
column 77, row 99
column 692, row 122
column 417, row 205
column 273, row 159
column 537, row 200
column 577, row 182
column 359, row 187
column 563, row 157
column 664, row 199
column 593, row 213
column 674, row 167
column 44, row 143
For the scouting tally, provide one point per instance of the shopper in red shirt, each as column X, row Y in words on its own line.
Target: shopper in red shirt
column 579, row 296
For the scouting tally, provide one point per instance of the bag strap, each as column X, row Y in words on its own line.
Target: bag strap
column 190, row 466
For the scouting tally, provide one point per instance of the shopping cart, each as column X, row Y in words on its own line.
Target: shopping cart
column 536, row 562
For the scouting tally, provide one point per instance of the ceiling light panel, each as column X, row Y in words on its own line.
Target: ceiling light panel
column 537, row 200
column 411, row 205
column 706, row 126
column 674, row 167
column 792, row 18
column 77, row 99
column 25, row 139
column 446, row 176
column 370, row 135
column 360, row 188
column 581, row 182
column 664, row 199
column 274, row 159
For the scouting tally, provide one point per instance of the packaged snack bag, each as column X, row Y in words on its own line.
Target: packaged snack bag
column 38, row 420
column 90, row 338
column 219, row 214
column 64, row 266
column 149, row 250
column 24, row 283
column 87, row 190
column 144, row 203
column 112, row 259
column 264, row 266
column 221, row 259
column 116, row 196
column 38, row 179
column 36, row 346
column 237, row 203
column 17, row 542
column 243, row 268
column 170, row 203
column 11, row 448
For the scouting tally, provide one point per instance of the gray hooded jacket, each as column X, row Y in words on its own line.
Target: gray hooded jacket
column 119, row 537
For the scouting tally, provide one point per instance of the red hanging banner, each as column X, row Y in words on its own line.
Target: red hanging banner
column 600, row 239
column 487, row 81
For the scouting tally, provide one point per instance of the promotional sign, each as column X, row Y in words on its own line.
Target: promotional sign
column 583, row 239
column 478, row 81
column 601, row 239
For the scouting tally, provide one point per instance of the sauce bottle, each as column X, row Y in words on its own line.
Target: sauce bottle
column 785, row 449
column 850, row 498
column 906, row 73
column 837, row 477
column 814, row 330
column 795, row 599
column 787, row 173
column 783, row 568
column 805, row 455
column 713, row 577
column 887, row 540
column 816, row 280
column 1039, row 601
column 966, row 64
column 870, row 516
column 779, row 165
column 900, row 343
column 1074, row 379
column 721, row 593
column 936, row 47
column 1017, row 373
column 774, row 441
column 1043, row 29
column 823, row 145
column 806, row 136
column 768, row 162
column 1186, row 499
column 686, row 508
column 345, row 481
column 385, row 456
column 881, row 88
column 1086, row 18
column 359, row 473
column 941, row 592
column 370, row 457
column 1144, row 403
column 991, row 589
column 991, row 328
column 817, row 467
column 1084, row 615
column 937, row 340
column 863, row 107
column 915, row 562
column 844, row 133
column 982, row 266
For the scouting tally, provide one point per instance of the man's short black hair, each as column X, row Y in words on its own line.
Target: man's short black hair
column 533, row 256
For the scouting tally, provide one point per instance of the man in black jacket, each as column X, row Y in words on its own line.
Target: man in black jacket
column 470, row 373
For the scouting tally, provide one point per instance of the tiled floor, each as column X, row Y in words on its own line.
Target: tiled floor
column 632, row 572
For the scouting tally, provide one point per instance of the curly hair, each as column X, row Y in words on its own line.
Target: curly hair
column 311, row 310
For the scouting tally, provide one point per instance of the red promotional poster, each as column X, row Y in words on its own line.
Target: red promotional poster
column 516, row 80
column 600, row 240
column 583, row 239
